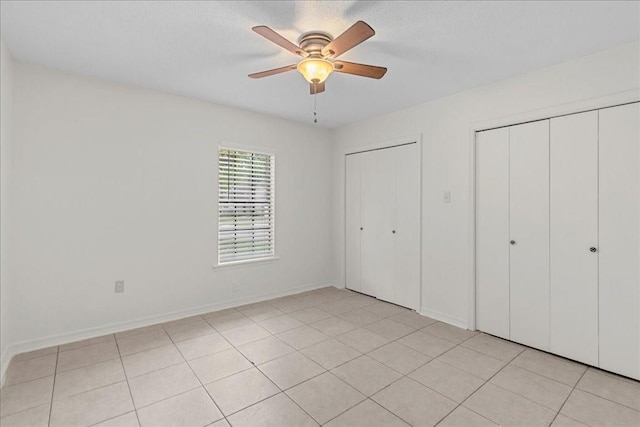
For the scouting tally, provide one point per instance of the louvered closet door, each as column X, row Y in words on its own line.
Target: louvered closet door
column 619, row 250
column 492, row 231
column 407, row 226
column 573, row 231
column 529, row 231
column 377, row 208
column 352, row 222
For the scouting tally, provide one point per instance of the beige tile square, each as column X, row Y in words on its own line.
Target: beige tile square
column 218, row 313
column 390, row 329
column 86, row 356
column 88, row 378
column 399, row 357
column 151, row 360
column 310, row 315
column 245, row 334
column 337, row 306
column 414, row 403
column 463, row 417
column 158, row 385
column 202, row 346
column 385, row 309
column 193, row 408
column 413, row 319
column 36, row 417
column 325, row 397
column 184, row 331
column 619, row 389
column 129, row 419
column 263, row 312
column 361, row 317
column 562, row 421
column 302, row 337
column 537, row 388
column 449, row 332
column 220, row 423
column 243, row 389
column 495, row 347
column 595, row 411
column 253, row 305
column 363, row 340
column 426, row 343
column 138, row 331
column 264, row 350
column 142, row 342
column 366, row 414
column 219, row 365
column 35, row 354
column 290, row 370
column 333, row 326
column 30, row 394
column 19, row 372
column 330, row 353
column 471, row 361
column 229, row 321
column 368, row 376
column 92, row 407
column 278, row 324
column 289, row 304
column 84, row 343
column 550, row 366
column 276, row 411
column 506, row 408
column 455, row 384
column 182, row 321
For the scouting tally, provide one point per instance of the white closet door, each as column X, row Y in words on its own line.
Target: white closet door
column 377, row 208
column 492, row 231
column 352, row 222
column 619, row 248
column 407, row 236
column 529, row 231
column 574, row 230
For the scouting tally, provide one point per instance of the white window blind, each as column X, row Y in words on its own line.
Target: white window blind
column 245, row 205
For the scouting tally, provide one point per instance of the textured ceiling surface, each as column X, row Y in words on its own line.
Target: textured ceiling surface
column 206, row 49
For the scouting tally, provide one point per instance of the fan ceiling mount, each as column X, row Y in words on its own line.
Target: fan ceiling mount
column 319, row 52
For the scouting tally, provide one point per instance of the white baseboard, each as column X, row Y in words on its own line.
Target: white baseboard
column 455, row 321
column 36, row 344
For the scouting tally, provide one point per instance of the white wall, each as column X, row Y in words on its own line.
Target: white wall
column 447, row 237
column 119, row 183
column 6, row 107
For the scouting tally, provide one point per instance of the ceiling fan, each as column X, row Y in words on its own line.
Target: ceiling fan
column 319, row 52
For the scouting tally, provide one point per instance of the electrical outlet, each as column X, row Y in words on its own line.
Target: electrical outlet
column 234, row 288
column 119, row 286
column 447, row 197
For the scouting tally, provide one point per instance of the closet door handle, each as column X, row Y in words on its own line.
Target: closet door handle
column 592, row 249
column 513, row 242
column 393, row 231
column 361, row 228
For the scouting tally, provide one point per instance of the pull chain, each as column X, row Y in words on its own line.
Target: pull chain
column 315, row 103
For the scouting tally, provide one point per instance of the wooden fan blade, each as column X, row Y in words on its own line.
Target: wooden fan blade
column 316, row 88
column 272, row 72
column 359, row 69
column 276, row 38
column 356, row 34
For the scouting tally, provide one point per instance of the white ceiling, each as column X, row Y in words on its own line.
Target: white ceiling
column 206, row 49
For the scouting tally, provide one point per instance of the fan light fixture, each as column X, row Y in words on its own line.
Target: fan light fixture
column 315, row 70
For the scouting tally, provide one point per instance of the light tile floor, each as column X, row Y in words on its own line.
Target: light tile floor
column 329, row 357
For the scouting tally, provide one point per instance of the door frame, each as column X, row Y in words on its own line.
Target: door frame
column 381, row 145
column 621, row 98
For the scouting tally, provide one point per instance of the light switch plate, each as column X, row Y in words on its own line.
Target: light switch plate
column 446, row 197
column 119, row 286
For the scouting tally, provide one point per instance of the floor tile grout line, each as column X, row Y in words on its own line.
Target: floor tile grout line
column 568, row 396
column 197, row 378
column 133, row 403
column 476, row 390
column 53, row 387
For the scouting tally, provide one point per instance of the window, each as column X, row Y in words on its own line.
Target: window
column 245, row 206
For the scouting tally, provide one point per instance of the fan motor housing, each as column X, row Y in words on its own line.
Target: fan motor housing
column 313, row 42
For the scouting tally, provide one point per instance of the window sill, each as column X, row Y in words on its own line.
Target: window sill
column 247, row 262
